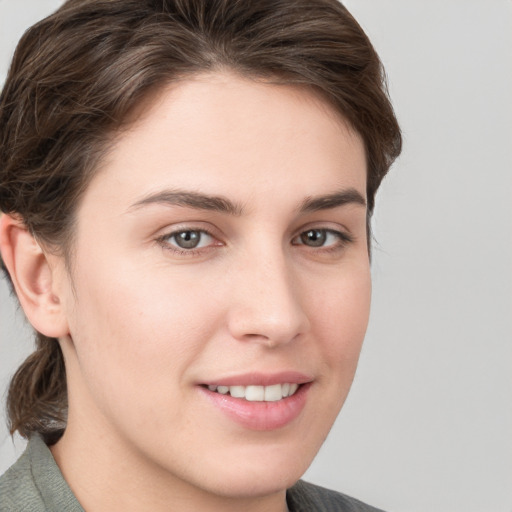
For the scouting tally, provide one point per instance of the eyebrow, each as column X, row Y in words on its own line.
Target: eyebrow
column 192, row 200
column 334, row 200
column 221, row 204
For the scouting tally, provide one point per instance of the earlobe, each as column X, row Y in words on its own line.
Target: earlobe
column 32, row 277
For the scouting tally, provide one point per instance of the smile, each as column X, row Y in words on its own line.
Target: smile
column 271, row 393
column 259, row 407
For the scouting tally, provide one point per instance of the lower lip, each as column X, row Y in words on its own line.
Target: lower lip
column 260, row 415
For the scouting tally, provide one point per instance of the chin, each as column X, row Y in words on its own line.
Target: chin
column 259, row 471
column 253, row 482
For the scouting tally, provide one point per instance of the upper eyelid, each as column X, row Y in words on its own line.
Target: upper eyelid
column 345, row 236
column 218, row 234
column 174, row 232
column 331, row 227
column 188, row 226
column 164, row 242
column 185, row 229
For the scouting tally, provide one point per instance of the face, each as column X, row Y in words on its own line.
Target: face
column 220, row 289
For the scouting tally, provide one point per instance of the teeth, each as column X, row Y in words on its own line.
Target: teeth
column 237, row 391
column 258, row 393
column 273, row 393
column 255, row 393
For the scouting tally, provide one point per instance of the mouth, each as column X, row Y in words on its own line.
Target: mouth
column 259, row 402
column 255, row 393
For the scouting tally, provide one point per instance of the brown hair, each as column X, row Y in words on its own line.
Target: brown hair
column 77, row 75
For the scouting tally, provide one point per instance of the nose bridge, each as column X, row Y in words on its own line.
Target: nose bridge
column 267, row 304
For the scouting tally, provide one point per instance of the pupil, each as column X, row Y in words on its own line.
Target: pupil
column 188, row 239
column 314, row 237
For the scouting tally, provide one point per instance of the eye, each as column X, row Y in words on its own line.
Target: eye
column 327, row 238
column 189, row 239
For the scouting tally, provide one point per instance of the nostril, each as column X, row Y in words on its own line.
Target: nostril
column 268, row 327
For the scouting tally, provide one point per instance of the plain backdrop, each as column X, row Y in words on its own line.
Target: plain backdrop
column 428, row 424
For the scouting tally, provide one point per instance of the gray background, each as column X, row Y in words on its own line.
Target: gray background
column 428, row 424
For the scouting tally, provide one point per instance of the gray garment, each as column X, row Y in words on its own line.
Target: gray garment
column 35, row 484
column 305, row 497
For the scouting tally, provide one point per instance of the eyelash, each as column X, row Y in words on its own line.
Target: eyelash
column 164, row 242
column 344, row 239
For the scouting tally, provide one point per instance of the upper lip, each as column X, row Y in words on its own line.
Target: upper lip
column 260, row 379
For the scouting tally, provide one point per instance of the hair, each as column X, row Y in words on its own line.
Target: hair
column 77, row 76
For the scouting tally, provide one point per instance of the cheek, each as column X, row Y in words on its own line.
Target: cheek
column 341, row 316
column 134, row 336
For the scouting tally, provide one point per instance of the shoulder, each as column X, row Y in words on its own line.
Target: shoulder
column 18, row 490
column 35, row 484
column 306, row 497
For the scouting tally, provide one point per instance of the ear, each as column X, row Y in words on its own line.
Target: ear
column 32, row 277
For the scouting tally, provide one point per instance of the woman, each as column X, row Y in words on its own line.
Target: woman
column 187, row 188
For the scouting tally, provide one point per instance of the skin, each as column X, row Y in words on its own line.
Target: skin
column 142, row 322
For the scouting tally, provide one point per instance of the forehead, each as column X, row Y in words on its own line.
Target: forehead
column 234, row 129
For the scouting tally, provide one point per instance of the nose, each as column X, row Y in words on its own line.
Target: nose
column 266, row 303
